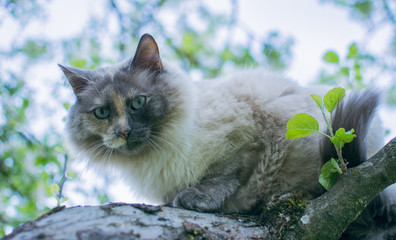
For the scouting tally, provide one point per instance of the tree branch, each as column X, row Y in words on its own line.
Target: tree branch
column 328, row 216
column 134, row 221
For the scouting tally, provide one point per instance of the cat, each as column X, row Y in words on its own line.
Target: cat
column 210, row 146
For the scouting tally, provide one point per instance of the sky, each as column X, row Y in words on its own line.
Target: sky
column 314, row 26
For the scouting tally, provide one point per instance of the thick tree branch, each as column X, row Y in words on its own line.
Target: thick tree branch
column 328, row 216
column 324, row 218
column 133, row 221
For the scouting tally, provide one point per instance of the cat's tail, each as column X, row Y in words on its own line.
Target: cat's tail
column 378, row 220
column 356, row 111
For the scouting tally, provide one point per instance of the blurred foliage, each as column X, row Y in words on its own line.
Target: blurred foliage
column 361, row 68
column 348, row 72
column 31, row 167
column 28, row 166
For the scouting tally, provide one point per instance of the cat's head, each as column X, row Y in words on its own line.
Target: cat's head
column 126, row 109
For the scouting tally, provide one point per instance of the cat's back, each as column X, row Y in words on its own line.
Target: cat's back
column 240, row 96
column 247, row 109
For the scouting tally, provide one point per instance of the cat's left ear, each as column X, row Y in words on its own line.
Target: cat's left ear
column 76, row 78
column 147, row 55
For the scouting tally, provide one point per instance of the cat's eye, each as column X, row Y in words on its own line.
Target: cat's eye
column 101, row 113
column 138, row 102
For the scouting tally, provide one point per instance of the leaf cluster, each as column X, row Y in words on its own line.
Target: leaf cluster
column 302, row 125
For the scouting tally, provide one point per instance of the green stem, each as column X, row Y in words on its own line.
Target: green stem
column 324, row 134
column 328, row 123
column 339, row 150
column 339, row 153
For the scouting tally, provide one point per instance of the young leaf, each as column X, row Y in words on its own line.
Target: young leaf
column 336, row 167
column 66, row 106
column 329, row 174
column 342, row 137
column 353, row 51
column 318, row 100
column 331, row 57
column 326, row 169
column 78, row 63
column 328, row 182
column 54, row 188
column 333, row 98
column 301, row 125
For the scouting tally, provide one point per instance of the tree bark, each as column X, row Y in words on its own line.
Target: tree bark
column 323, row 218
column 328, row 216
column 135, row 221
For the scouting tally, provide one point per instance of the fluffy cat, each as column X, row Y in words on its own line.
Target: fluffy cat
column 212, row 146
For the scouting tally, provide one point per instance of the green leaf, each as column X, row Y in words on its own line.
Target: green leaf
column 364, row 7
column 71, row 175
column 191, row 43
column 341, row 137
column 318, row 100
column 34, row 49
column 301, row 125
column 78, row 63
column 336, row 167
column 328, row 182
column 333, row 98
column 330, row 172
column 353, row 51
column 66, row 106
column 54, row 188
column 331, row 57
column 344, row 71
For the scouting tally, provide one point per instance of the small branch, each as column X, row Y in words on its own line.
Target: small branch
column 62, row 181
column 389, row 12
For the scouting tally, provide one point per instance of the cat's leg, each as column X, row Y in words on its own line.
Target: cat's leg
column 208, row 195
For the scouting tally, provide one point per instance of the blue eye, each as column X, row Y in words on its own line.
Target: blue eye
column 101, row 113
column 138, row 102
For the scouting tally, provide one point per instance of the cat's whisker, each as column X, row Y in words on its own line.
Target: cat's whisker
column 99, row 152
column 109, row 153
column 157, row 145
column 94, row 148
column 181, row 154
column 173, row 139
column 151, row 142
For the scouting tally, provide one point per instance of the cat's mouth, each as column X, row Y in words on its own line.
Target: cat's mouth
column 126, row 146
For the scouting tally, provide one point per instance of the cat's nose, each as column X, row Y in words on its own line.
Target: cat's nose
column 123, row 132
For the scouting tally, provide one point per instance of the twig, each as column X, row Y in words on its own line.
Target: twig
column 62, row 181
column 389, row 12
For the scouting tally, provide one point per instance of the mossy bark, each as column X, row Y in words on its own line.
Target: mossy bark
column 328, row 216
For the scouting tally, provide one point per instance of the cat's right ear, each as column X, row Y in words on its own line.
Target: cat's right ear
column 76, row 78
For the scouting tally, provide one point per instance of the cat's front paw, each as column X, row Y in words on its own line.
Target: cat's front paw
column 193, row 199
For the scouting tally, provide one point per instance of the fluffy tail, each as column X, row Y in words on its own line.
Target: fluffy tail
column 354, row 112
column 378, row 220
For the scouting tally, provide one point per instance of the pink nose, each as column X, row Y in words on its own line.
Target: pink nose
column 124, row 133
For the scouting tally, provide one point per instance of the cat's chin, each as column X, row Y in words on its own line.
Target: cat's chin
column 136, row 148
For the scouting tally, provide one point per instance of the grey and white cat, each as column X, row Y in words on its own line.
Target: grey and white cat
column 212, row 146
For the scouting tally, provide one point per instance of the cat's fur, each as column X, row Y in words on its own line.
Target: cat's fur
column 213, row 146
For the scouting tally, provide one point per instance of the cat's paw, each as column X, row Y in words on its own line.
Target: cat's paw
column 193, row 199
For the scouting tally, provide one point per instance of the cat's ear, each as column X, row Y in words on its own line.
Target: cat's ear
column 76, row 78
column 147, row 55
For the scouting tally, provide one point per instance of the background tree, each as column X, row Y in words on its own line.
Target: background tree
column 198, row 38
